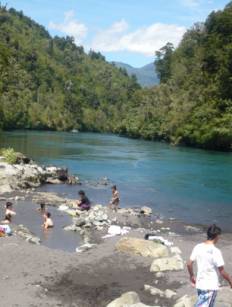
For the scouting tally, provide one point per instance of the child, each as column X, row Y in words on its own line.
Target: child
column 209, row 262
column 48, row 223
column 9, row 213
column 114, row 203
column 42, row 208
column 84, row 203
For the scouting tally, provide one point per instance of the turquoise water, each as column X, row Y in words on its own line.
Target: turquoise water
column 189, row 184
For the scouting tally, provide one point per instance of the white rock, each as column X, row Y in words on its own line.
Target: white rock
column 126, row 299
column 186, row 301
column 174, row 263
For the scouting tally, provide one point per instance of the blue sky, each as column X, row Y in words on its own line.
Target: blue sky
column 129, row 31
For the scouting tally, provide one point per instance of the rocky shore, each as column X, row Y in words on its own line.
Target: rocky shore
column 115, row 266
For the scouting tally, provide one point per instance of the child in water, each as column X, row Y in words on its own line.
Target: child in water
column 9, row 213
column 114, row 203
column 41, row 208
column 48, row 223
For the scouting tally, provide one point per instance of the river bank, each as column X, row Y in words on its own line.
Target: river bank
column 102, row 268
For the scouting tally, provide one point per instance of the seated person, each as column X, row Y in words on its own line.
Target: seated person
column 9, row 213
column 48, row 223
column 83, row 203
column 114, row 203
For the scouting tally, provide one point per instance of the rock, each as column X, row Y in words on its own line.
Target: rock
column 129, row 299
column 73, row 180
column 51, row 180
column 146, row 210
column 80, row 222
column 174, row 263
column 85, row 247
column 142, row 247
column 140, row 305
column 175, row 250
column 51, row 199
column 126, row 299
column 25, row 233
column 159, row 274
column 22, row 159
column 185, row 301
column 169, row 293
column 153, row 290
column 71, row 228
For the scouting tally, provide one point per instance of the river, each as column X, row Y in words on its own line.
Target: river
column 192, row 185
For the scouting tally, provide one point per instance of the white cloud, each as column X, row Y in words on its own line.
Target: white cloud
column 144, row 40
column 190, row 3
column 70, row 26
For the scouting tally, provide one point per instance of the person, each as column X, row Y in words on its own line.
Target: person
column 9, row 213
column 83, row 203
column 114, row 203
column 210, row 262
column 48, row 223
column 42, row 208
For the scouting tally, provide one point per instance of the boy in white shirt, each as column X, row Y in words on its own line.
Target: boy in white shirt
column 209, row 262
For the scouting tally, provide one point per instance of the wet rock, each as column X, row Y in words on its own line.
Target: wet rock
column 174, row 263
column 80, row 222
column 26, row 234
column 22, row 159
column 142, row 247
column 73, row 180
column 146, row 210
column 51, row 199
column 51, row 180
column 85, row 247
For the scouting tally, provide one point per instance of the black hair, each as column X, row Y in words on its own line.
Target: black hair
column 48, row 214
column 114, row 187
column 213, row 231
column 81, row 192
column 9, row 204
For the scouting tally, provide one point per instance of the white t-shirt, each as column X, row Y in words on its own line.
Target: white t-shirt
column 209, row 259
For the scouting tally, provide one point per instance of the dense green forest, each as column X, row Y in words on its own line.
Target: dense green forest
column 50, row 83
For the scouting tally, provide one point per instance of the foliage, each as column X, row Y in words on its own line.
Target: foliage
column 50, row 83
column 9, row 155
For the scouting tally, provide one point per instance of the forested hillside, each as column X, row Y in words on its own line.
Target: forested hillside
column 193, row 104
column 50, row 83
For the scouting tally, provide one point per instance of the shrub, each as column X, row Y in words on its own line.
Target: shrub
column 10, row 156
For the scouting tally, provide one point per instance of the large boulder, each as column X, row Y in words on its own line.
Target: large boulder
column 142, row 247
column 174, row 263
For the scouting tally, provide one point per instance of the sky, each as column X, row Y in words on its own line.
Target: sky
column 128, row 31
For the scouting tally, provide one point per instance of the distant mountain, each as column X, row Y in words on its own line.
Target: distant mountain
column 146, row 75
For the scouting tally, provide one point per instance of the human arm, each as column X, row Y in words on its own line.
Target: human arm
column 191, row 272
column 225, row 275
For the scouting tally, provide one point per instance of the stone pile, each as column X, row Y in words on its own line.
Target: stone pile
column 27, row 174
